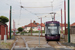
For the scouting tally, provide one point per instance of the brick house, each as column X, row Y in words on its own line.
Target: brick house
column 2, row 30
column 72, row 28
column 34, row 26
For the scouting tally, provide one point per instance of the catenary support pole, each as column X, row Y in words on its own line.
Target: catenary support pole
column 41, row 26
column 54, row 17
column 10, row 20
column 68, row 22
column 14, row 27
column 31, row 27
column 61, row 22
column 65, row 15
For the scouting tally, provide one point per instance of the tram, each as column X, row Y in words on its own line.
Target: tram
column 52, row 31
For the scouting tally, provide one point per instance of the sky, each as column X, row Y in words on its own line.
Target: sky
column 35, row 9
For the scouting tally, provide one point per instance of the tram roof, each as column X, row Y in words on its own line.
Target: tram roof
column 52, row 22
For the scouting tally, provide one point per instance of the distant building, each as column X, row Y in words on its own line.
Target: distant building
column 34, row 26
column 73, row 24
column 72, row 28
column 63, row 25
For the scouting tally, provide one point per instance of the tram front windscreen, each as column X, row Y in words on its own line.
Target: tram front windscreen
column 52, row 29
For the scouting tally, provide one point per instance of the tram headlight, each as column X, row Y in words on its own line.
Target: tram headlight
column 56, row 35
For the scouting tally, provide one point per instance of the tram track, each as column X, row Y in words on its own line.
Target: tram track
column 30, row 42
column 26, row 43
column 20, row 43
column 57, row 45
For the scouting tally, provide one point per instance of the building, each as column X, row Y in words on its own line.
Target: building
column 63, row 25
column 72, row 28
column 34, row 26
column 3, row 27
column 73, row 24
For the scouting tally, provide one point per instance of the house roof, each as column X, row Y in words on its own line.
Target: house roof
column 31, row 24
column 22, row 26
column 43, row 25
column 73, row 24
column 34, row 24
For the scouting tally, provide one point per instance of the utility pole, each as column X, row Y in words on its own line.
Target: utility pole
column 10, row 21
column 31, row 27
column 14, row 27
column 68, row 22
column 61, row 22
column 65, row 15
column 54, row 17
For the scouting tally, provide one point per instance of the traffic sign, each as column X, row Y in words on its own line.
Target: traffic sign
column 39, row 27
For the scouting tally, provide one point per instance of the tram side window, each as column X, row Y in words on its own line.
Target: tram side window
column 59, row 29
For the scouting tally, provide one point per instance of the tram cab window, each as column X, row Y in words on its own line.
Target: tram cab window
column 52, row 29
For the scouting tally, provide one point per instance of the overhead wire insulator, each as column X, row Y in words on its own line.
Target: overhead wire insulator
column 21, row 6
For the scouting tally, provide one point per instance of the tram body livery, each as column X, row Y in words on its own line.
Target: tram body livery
column 52, row 31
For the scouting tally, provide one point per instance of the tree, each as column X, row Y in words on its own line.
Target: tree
column 4, row 19
column 20, row 29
